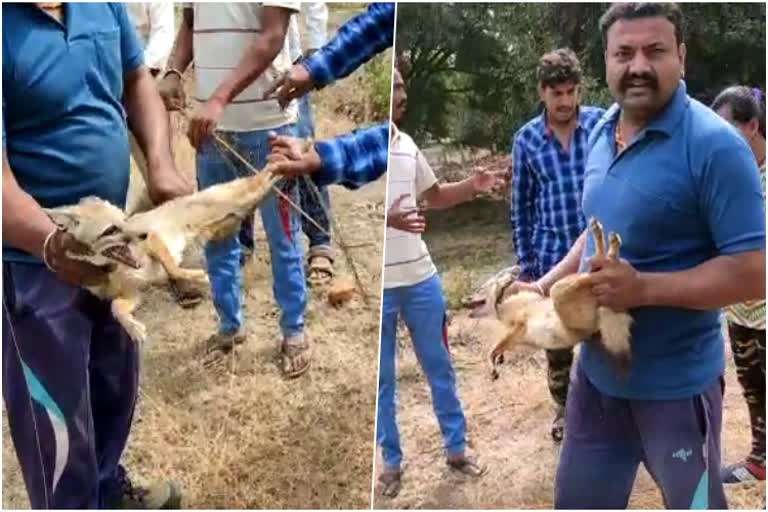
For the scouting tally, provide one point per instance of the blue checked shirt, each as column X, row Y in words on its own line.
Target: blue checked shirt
column 547, row 184
column 360, row 157
column 356, row 42
column 353, row 159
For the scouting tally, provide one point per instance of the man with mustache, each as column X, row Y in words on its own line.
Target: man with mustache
column 681, row 188
column 547, row 177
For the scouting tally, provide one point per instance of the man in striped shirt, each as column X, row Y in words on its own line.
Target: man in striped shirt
column 547, row 176
column 239, row 50
column 412, row 291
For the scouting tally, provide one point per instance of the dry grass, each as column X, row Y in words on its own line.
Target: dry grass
column 509, row 419
column 235, row 434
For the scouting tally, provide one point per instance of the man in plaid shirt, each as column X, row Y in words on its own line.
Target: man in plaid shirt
column 352, row 159
column 547, row 177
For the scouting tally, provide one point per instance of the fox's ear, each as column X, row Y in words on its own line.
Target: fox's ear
column 65, row 217
column 515, row 271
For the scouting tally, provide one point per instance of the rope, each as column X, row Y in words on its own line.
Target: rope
column 345, row 249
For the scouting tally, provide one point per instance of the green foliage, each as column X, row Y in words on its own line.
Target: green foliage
column 472, row 66
column 377, row 78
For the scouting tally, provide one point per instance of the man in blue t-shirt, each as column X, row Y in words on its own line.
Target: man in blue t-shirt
column 71, row 74
column 681, row 188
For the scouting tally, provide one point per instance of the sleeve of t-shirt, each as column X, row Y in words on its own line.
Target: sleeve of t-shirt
column 130, row 47
column 425, row 177
column 731, row 197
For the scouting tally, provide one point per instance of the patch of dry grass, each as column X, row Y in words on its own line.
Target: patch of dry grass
column 234, row 433
column 508, row 420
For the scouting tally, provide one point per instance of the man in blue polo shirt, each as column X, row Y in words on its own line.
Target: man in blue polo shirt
column 71, row 74
column 681, row 188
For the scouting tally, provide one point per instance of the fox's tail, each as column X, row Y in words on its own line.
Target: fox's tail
column 615, row 334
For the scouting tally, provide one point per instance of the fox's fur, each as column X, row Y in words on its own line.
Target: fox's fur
column 569, row 315
column 147, row 248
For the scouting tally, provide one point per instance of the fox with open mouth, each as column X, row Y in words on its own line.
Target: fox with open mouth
column 147, row 248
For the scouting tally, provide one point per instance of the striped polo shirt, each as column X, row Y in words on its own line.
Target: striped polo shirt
column 406, row 258
column 222, row 33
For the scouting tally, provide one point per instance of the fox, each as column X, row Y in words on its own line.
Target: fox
column 568, row 316
column 146, row 249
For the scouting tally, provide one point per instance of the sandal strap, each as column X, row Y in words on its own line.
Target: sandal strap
column 320, row 252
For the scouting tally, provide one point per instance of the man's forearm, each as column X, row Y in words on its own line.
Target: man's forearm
column 567, row 266
column 147, row 118
column 450, row 194
column 356, row 42
column 257, row 57
column 521, row 234
column 182, row 52
column 353, row 159
column 25, row 224
column 714, row 284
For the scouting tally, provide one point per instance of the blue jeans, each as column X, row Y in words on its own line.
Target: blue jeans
column 423, row 309
column 280, row 223
column 309, row 202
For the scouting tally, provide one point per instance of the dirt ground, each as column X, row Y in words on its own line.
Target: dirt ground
column 235, row 434
column 509, row 419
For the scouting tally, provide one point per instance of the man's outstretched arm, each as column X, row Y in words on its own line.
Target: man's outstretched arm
column 352, row 160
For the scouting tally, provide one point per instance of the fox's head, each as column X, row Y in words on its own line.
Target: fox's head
column 99, row 225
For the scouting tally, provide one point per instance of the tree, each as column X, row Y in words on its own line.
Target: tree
column 471, row 67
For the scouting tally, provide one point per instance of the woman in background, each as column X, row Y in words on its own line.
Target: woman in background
column 744, row 108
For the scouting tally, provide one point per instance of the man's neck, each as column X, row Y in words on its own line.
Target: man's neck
column 393, row 129
column 53, row 9
column 631, row 123
column 566, row 128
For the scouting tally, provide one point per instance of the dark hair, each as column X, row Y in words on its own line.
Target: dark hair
column 635, row 10
column 746, row 104
column 558, row 67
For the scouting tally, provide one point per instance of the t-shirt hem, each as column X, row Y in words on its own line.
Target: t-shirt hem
column 749, row 242
column 410, row 282
column 683, row 394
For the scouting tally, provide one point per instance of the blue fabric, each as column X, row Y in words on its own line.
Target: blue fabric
column 356, row 42
column 70, row 382
column 305, row 126
column 606, row 439
column 64, row 126
column 546, row 192
column 353, row 159
column 422, row 307
column 316, row 208
column 684, row 191
column 281, row 224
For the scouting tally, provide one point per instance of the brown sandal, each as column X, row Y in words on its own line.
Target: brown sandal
column 186, row 293
column 466, row 466
column 296, row 358
column 320, row 269
column 391, row 480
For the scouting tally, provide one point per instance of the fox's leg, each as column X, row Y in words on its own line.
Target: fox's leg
column 614, row 242
column 496, row 355
column 597, row 234
column 157, row 249
column 122, row 309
